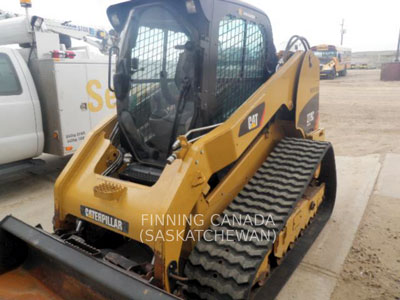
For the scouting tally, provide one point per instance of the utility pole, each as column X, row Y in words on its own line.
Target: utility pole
column 342, row 32
column 398, row 49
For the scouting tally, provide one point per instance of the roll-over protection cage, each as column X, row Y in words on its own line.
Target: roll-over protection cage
column 237, row 50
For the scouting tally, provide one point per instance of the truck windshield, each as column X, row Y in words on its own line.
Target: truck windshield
column 156, row 48
column 325, row 56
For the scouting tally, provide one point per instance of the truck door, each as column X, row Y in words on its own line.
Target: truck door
column 21, row 134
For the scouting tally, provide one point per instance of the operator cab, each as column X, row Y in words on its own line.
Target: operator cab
column 174, row 74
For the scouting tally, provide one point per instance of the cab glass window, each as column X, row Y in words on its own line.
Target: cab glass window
column 157, row 48
column 9, row 83
column 241, row 64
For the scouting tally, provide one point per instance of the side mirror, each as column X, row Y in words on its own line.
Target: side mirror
column 122, row 85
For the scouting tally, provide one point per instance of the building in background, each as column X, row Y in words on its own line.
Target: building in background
column 372, row 59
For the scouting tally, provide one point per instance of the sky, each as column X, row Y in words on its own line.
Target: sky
column 370, row 24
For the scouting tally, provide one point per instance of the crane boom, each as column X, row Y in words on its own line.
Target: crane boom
column 16, row 23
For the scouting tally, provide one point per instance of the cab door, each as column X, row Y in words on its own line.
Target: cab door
column 19, row 118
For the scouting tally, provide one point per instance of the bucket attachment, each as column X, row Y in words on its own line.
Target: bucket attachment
column 37, row 265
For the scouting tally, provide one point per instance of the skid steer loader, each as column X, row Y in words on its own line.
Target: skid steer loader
column 211, row 182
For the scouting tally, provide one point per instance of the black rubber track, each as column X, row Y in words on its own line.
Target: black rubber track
column 222, row 265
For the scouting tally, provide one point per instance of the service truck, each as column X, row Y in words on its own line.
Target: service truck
column 51, row 94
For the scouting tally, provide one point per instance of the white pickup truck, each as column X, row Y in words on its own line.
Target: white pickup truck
column 49, row 101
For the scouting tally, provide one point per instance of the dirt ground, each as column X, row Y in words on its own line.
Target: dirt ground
column 361, row 115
